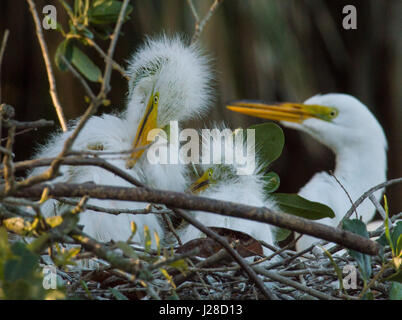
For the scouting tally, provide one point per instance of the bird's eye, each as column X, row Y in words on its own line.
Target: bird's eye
column 156, row 99
column 333, row 113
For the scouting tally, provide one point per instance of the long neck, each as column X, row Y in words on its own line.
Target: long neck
column 361, row 167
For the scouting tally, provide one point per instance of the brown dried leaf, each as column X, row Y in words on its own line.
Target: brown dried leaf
column 247, row 246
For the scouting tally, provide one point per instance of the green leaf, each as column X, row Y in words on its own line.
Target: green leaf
column 127, row 250
column 85, row 65
column 396, row 236
column 336, row 267
column 271, row 182
column 179, row 264
column 299, row 206
column 363, row 260
column 148, row 240
column 22, row 265
column 399, row 245
column 64, row 49
column 396, row 291
column 104, row 12
column 280, row 234
column 269, row 141
column 117, row 294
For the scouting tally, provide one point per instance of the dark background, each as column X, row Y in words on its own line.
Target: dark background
column 275, row 50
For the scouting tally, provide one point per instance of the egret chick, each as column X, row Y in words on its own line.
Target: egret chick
column 350, row 130
column 169, row 81
column 221, row 180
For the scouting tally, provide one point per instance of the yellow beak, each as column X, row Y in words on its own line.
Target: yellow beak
column 202, row 182
column 293, row 112
column 147, row 123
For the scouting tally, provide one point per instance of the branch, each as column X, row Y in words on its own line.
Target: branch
column 50, row 75
column 2, row 50
column 199, row 25
column 191, row 202
column 236, row 256
column 112, row 46
column 78, row 161
column 28, row 125
column 368, row 193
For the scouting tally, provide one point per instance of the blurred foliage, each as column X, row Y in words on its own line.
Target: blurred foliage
column 20, row 275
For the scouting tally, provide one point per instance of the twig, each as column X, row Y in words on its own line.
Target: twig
column 346, row 192
column 377, row 205
column 109, row 210
column 2, row 50
column 115, row 65
column 50, row 75
column 193, row 11
column 236, row 256
column 29, row 124
column 78, row 161
column 367, row 194
column 276, row 277
column 199, row 25
column 108, row 69
column 76, row 74
column 191, row 202
column 8, row 163
column 168, row 222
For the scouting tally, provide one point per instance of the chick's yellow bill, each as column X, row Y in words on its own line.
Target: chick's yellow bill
column 147, row 123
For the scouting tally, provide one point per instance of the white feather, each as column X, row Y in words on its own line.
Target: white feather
column 181, row 76
column 360, row 146
column 244, row 189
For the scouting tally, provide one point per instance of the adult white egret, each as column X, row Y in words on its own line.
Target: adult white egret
column 168, row 81
column 221, row 180
column 349, row 129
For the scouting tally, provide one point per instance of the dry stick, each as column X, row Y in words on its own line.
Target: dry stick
column 276, row 277
column 193, row 10
column 79, row 77
column 2, row 50
column 50, row 75
column 8, row 162
column 108, row 69
column 191, row 202
column 29, row 124
column 378, row 206
column 236, row 256
column 199, row 25
column 109, row 210
column 115, row 65
column 79, row 161
column 346, row 192
column 367, row 194
column 171, row 228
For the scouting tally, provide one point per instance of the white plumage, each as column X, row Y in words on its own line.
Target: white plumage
column 228, row 185
column 349, row 129
column 360, row 145
column 180, row 76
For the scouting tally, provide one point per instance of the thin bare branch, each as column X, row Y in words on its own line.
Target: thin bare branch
column 50, row 75
column 2, row 50
column 199, row 25
column 108, row 69
column 370, row 191
column 76, row 74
